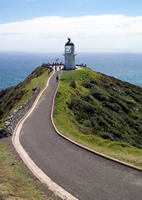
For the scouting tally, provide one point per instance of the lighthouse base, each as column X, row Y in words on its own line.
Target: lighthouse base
column 69, row 62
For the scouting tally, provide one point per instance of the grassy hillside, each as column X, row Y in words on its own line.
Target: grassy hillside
column 101, row 112
column 13, row 97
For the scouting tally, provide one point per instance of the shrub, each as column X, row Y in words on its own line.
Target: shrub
column 1, row 112
column 88, row 85
column 112, row 106
column 80, row 105
column 99, row 94
column 73, row 84
column 88, row 98
column 105, row 135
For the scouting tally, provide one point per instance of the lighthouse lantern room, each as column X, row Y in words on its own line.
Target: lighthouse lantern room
column 69, row 55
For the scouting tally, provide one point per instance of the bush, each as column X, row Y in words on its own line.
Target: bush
column 112, row 106
column 99, row 94
column 1, row 112
column 88, row 98
column 80, row 105
column 105, row 135
column 88, row 85
column 73, row 84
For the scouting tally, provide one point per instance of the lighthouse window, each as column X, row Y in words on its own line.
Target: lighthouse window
column 68, row 49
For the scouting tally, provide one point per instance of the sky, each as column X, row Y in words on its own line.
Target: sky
column 93, row 25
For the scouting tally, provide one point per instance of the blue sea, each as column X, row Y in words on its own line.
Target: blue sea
column 14, row 67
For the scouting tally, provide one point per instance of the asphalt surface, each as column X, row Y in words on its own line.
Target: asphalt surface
column 82, row 173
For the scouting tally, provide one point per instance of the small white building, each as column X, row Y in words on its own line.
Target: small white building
column 69, row 56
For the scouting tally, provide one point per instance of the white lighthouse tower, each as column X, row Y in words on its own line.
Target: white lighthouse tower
column 69, row 55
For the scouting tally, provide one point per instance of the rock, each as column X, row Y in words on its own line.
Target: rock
column 17, row 114
column 7, row 123
column 34, row 89
column 4, row 133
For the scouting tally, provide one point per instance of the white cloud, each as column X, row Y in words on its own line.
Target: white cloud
column 90, row 33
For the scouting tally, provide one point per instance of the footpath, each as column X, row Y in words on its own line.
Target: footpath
column 83, row 174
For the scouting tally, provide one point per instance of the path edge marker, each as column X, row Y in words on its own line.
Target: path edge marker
column 84, row 147
column 58, row 190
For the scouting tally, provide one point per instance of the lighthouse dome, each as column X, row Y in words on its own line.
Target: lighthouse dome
column 69, row 47
column 69, row 43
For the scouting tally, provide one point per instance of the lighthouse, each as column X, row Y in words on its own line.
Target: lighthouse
column 69, row 55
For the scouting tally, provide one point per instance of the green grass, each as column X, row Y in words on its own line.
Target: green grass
column 75, row 95
column 38, row 81
column 13, row 97
column 16, row 183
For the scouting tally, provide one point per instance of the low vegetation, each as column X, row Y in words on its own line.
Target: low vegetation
column 16, row 181
column 102, row 113
column 15, row 96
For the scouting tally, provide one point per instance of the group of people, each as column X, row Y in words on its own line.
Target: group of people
column 58, row 68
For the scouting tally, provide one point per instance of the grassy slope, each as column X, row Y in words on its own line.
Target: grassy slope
column 13, row 97
column 16, row 183
column 102, row 113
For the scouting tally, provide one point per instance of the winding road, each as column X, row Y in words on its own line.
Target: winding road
column 80, row 172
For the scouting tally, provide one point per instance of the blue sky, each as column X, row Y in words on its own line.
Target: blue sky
column 18, row 10
column 117, row 22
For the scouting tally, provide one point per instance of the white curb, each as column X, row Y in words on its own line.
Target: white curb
column 59, row 191
column 86, row 148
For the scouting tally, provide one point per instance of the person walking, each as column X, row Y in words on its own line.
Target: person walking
column 57, row 77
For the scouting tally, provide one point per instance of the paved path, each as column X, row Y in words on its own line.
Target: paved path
column 83, row 174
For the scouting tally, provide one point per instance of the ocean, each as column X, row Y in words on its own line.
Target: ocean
column 15, row 67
